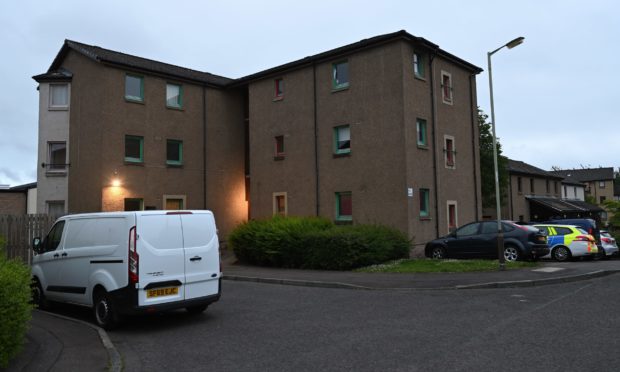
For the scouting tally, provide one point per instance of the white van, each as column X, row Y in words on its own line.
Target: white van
column 129, row 262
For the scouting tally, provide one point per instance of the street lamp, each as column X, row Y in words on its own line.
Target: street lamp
column 500, row 235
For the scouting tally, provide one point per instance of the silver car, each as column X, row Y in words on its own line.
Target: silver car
column 609, row 243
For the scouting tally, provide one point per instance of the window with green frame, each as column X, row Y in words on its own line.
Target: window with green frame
column 421, row 132
column 344, row 206
column 342, row 139
column 418, row 64
column 134, row 88
column 340, row 75
column 424, row 203
column 174, row 95
column 134, row 149
column 174, row 152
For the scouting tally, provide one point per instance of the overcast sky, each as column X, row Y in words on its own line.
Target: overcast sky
column 554, row 94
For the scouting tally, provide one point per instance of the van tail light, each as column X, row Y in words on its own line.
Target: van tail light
column 591, row 231
column 582, row 238
column 134, row 259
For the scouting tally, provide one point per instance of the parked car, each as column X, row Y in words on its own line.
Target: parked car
column 566, row 242
column 129, row 262
column 479, row 240
column 587, row 224
column 609, row 243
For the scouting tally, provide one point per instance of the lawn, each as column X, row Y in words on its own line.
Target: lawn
column 426, row 265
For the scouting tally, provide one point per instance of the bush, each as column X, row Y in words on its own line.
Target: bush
column 315, row 243
column 15, row 307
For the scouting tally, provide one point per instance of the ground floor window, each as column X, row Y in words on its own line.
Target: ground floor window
column 174, row 202
column 55, row 208
column 134, row 204
column 280, row 207
column 452, row 216
column 344, row 206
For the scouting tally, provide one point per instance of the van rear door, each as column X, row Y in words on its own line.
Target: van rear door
column 161, row 258
column 202, row 263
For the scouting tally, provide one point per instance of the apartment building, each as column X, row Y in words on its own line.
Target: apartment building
column 599, row 182
column 379, row 131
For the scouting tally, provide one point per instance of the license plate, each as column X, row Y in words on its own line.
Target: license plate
column 161, row 292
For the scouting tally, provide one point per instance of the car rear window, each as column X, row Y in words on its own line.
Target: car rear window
column 581, row 230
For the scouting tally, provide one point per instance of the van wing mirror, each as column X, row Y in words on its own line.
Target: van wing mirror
column 36, row 245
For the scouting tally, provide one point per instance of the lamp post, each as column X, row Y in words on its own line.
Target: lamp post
column 500, row 235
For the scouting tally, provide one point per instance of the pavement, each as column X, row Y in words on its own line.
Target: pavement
column 58, row 343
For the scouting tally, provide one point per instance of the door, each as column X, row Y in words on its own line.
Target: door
column 49, row 262
column 466, row 241
column 488, row 239
column 202, row 258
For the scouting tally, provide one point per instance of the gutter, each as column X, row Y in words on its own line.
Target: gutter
column 316, row 139
column 204, row 144
column 473, row 142
column 434, row 130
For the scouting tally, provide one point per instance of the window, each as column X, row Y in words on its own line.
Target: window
column 602, row 199
column 174, row 202
column 279, row 147
column 134, row 152
column 446, row 87
column 418, row 65
column 174, row 96
column 601, row 184
column 424, row 203
column 421, row 131
column 519, row 187
column 555, row 186
column 174, row 152
column 56, row 208
column 565, row 192
column 467, row 230
column 531, row 185
column 452, row 216
column 575, row 191
column 344, row 206
column 340, row 78
column 279, row 204
column 342, row 139
column 57, row 157
column 134, row 204
column 53, row 238
column 449, row 151
column 548, row 188
column 279, row 88
column 134, row 88
column 59, row 96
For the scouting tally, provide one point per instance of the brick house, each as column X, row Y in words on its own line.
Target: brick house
column 379, row 131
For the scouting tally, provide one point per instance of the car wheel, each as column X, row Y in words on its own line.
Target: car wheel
column 602, row 255
column 438, row 252
column 561, row 254
column 38, row 297
column 196, row 309
column 103, row 308
column 511, row 253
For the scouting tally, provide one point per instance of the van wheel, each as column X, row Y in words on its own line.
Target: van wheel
column 196, row 309
column 38, row 297
column 103, row 308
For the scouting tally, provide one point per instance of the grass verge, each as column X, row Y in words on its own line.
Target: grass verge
column 426, row 265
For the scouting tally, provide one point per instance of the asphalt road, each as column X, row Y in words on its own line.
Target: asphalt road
column 263, row 327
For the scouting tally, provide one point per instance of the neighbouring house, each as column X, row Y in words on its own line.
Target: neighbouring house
column 18, row 200
column 599, row 182
column 573, row 190
column 616, row 190
column 379, row 131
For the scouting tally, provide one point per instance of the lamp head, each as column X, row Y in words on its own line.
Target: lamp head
column 513, row 43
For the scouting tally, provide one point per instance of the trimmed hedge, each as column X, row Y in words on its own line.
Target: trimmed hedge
column 15, row 307
column 315, row 243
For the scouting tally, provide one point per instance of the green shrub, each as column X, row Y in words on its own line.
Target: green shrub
column 315, row 243
column 15, row 307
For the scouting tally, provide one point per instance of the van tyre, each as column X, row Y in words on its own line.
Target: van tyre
column 103, row 308
column 196, row 309
column 38, row 297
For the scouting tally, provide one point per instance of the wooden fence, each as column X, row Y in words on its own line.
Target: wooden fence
column 18, row 232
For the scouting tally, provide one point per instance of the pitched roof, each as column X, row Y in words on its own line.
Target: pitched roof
column 107, row 56
column 588, row 174
column 516, row 166
column 365, row 43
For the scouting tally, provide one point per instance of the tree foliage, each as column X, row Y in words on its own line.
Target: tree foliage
column 487, row 169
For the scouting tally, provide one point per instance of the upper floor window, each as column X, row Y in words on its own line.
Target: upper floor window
column 134, row 149
column 174, row 152
column 421, row 132
column 342, row 139
column 279, row 88
column 601, row 184
column 174, row 95
column 418, row 65
column 548, row 187
column 134, row 88
column 424, row 202
column 59, row 96
column 340, row 72
column 57, row 156
column 279, row 147
column 519, row 185
column 555, row 186
column 450, row 153
column 531, row 185
column 446, row 87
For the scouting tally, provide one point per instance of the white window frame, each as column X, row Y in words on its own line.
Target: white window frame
column 55, row 202
column 182, row 197
column 450, row 99
column 63, row 168
column 275, row 204
column 456, row 214
column 51, row 105
column 445, row 151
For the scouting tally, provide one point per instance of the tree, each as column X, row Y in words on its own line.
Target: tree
column 487, row 169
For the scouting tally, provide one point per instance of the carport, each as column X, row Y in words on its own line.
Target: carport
column 545, row 208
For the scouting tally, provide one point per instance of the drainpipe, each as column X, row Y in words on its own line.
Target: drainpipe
column 204, row 144
column 473, row 141
column 434, row 130
column 316, row 146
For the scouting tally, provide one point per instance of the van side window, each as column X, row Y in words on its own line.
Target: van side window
column 53, row 238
